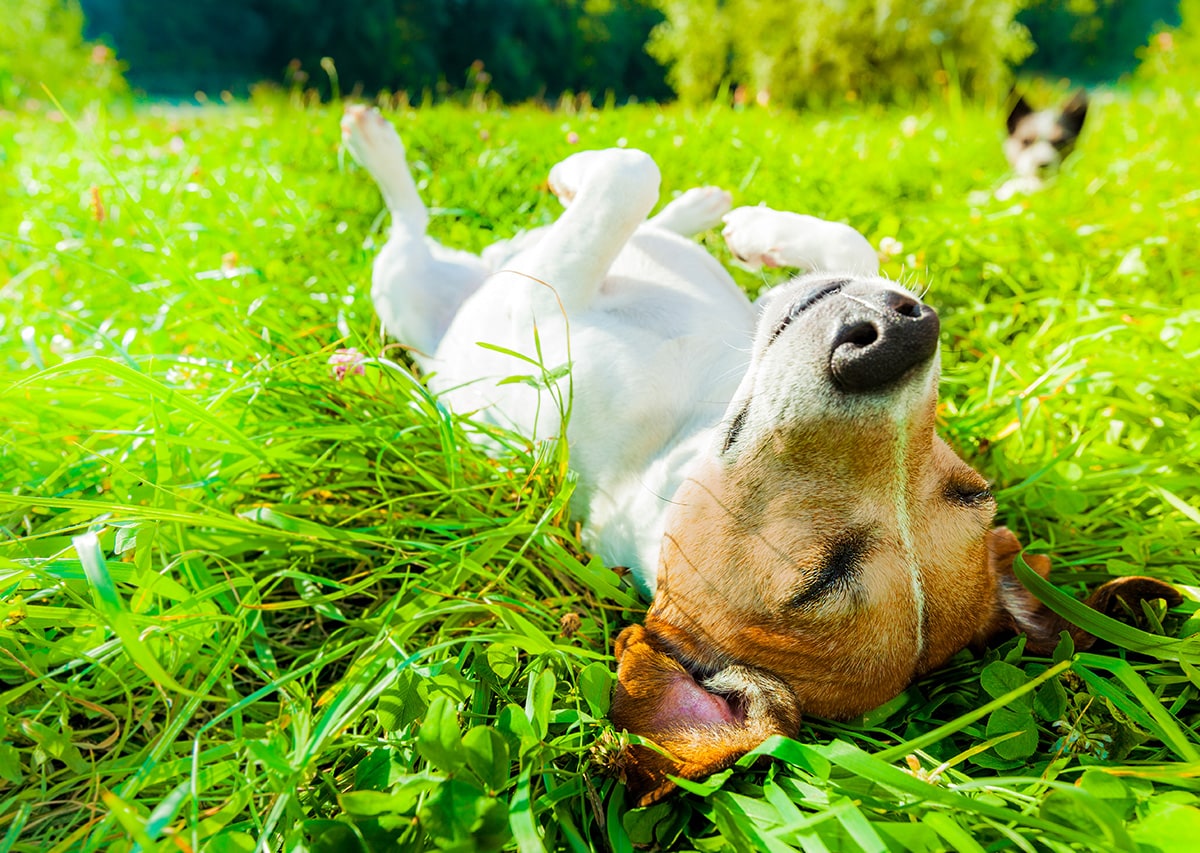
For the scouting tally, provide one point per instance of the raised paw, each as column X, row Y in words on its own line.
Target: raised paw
column 567, row 177
column 625, row 174
column 696, row 210
column 762, row 237
column 371, row 139
column 754, row 237
column 375, row 144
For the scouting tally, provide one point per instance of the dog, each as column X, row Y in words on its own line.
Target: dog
column 770, row 472
column 1038, row 141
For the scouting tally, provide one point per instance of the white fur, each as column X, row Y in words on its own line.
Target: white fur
column 1030, row 159
column 658, row 337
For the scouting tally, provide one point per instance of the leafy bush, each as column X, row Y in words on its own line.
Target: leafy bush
column 810, row 51
column 694, row 42
column 1173, row 55
column 42, row 44
column 1091, row 40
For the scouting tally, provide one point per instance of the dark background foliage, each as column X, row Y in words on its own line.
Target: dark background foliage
column 1092, row 40
column 528, row 48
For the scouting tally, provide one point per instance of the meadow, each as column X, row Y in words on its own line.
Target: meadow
column 250, row 604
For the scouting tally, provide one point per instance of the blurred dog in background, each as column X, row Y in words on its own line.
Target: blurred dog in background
column 1039, row 140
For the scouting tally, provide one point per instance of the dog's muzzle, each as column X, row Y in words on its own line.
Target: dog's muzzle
column 883, row 336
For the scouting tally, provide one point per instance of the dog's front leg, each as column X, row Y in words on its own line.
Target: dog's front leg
column 696, row 210
column 608, row 193
column 760, row 236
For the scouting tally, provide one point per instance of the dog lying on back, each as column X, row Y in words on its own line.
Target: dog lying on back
column 1038, row 141
column 770, row 472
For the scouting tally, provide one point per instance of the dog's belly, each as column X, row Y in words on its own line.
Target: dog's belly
column 654, row 360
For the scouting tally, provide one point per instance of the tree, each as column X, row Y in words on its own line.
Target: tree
column 529, row 48
column 693, row 42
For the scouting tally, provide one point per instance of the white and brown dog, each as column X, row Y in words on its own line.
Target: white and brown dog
column 1038, row 141
column 770, row 471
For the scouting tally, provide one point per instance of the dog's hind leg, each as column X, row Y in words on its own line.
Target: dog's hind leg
column 608, row 194
column 760, row 236
column 417, row 285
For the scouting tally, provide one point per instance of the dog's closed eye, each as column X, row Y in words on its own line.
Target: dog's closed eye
column 812, row 298
column 735, row 428
column 967, row 493
column 841, row 561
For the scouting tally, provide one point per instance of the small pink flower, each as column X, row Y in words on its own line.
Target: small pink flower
column 345, row 361
column 1166, row 42
column 572, row 138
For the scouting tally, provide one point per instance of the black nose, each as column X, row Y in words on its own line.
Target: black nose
column 877, row 345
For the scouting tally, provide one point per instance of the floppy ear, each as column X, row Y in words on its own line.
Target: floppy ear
column 1020, row 109
column 1021, row 612
column 701, row 726
column 1074, row 112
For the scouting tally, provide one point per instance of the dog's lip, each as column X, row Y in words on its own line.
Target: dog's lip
column 818, row 293
column 839, row 385
column 701, row 672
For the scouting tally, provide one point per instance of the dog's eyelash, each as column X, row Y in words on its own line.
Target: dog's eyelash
column 735, row 428
column 827, row 289
column 967, row 495
column 840, row 566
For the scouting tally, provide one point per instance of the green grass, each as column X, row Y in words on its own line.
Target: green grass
column 246, row 606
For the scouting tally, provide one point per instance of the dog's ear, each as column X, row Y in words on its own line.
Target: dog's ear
column 1074, row 112
column 1020, row 109
column 699, row 727
column 1020, row 611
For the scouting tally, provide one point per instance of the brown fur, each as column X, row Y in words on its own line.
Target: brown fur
column 745, row 542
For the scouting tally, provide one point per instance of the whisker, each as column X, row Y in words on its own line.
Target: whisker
column 854, row 298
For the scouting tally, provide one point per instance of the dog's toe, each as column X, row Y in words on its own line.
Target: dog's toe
column 747, row 237
column 369, row 137
column 696, row 210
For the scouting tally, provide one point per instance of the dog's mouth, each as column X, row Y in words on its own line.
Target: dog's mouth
column 690, row 697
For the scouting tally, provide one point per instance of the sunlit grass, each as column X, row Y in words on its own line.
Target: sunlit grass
column 247, row 603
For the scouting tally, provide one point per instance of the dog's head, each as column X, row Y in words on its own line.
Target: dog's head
column 832, row 548
column 1039, row 140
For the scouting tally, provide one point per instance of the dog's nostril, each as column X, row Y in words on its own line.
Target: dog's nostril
column 904, row 305
column 860, row 335
column 871, row 352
